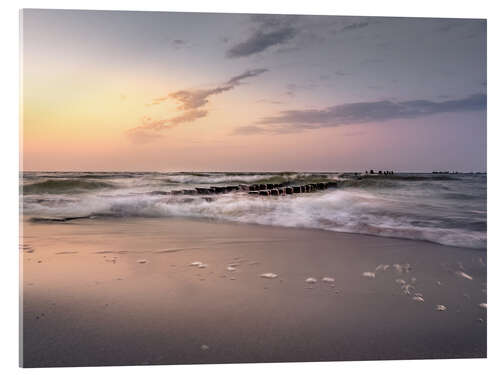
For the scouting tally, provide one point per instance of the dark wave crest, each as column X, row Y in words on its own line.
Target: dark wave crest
column 64, row 186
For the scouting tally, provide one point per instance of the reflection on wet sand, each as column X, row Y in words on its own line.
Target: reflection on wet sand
column 164, row 291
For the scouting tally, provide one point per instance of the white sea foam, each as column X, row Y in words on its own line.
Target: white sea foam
column 216, row 178
column 414, row 211
column 269, row 275
column 464, row 275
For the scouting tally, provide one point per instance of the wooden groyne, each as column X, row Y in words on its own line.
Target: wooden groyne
column 280, row 189
column 255, row 189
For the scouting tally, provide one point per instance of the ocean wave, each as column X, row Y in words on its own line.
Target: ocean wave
column 368, row 183
column 233, row 178
column 215, row 179
column 55, row 186
column 349, row 210
column 80, row 175
column 403, row 177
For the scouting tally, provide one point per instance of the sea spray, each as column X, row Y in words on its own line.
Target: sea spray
column 449, row 210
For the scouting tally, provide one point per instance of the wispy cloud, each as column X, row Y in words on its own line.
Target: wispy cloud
column 355, row 26
column 236, row 80
column 268, row 31
column 359, row 113
column 192, row 99
column 260, row 41
column 189, row 116
column 150, row 129
column 180, row 43
column 139, row 136
column 190, row 102
column 290, row 33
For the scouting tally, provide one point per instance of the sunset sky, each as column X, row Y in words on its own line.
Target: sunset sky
column 157, row 91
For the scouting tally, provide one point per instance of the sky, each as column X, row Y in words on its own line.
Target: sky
column 161, row 91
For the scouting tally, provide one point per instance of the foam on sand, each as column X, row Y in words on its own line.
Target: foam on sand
column 327, row 279
column 418, row 298
column 269, row 275
column 407, row 289
column 369, row 275
column 464, row 275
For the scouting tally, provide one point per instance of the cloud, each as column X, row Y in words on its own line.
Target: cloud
column 293, row 88
column 192, row 99
column 236, row 80
column 355, row 26
column 290, row 33
column 359, row 113
column 157, row 101
column 269, row 101
column 260, row 41
column 149, row 130
column 190, row 102
column 180, row 43
column 349, row 24
column 158, row 125
column 139, row 136
column 249, row 129
column 267, row 31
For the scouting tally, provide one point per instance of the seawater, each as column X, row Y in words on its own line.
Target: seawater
column 449, row 209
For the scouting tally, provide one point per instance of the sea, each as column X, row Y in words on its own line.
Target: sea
column 445, row 208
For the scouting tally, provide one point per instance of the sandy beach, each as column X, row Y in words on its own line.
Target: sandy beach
column 210, row 188
column 125, row 292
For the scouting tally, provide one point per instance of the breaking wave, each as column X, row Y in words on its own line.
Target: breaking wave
column 54, row 186
column 445, row 211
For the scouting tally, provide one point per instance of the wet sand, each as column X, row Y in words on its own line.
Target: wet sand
column 124, row 292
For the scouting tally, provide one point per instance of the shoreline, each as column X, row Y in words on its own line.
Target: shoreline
column 53, row 220
column 100, row 300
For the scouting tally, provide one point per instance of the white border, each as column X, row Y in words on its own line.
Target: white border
column 9, row 171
